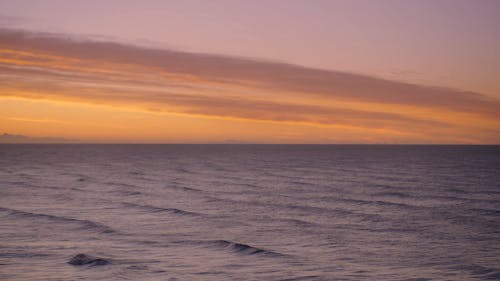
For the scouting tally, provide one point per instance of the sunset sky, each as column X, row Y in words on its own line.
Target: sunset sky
column 251, row 71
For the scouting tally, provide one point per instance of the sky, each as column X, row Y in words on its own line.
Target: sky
column 251, row 71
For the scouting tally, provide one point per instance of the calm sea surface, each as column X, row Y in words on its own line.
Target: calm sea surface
column 250, row 212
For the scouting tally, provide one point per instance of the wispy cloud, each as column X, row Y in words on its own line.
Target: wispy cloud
column 40, row 65
column 32, row 120
column 10, row 20
column 9, row 138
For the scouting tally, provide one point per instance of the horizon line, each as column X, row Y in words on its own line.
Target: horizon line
column 267, row 144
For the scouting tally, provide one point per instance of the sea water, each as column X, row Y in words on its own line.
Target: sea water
column 250, row 212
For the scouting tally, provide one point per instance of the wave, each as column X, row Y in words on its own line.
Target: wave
column 487, row 212
column 440, row 198
column 301, row 208
column 238, row 181
column 86, row 224
column 382, row 203
column 28, row 185
column 21, row 255
column 393, row 194
column 184, row 188
column 130, row 193
column 127, row 185
column 301, row 278
column 243, row 248
column 485, row 273
column 83, row 259
column 155, row 209
column 183, row 170
column 234, row 247
column 296, row 222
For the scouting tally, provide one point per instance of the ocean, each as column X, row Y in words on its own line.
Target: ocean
column 249, row 212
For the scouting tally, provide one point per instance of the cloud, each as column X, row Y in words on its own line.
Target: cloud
column 9, row 138
column 10, row 20
column 42, row 65
column 32, row 120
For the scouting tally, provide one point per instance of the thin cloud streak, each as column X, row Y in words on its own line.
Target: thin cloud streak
column 6, row 138
column 37, row 120
column 41, row 65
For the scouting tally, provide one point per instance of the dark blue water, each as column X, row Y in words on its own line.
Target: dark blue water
column 250, row 212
